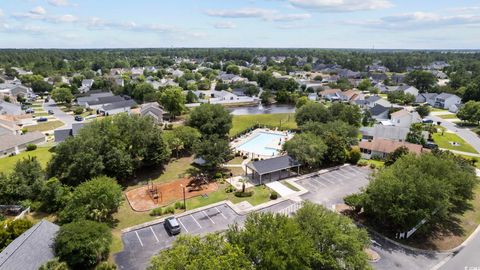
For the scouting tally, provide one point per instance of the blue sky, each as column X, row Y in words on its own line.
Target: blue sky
column 403, row 24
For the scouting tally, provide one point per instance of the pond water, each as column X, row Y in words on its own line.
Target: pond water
column 262, row 109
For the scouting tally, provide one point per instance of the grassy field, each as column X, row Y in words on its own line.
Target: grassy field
column 443, row 141
column 43, row 155
column 447, row 116
column 290, row 186
column 437, row 110
column 242, row 122
column 236, row 161
column 45, row 126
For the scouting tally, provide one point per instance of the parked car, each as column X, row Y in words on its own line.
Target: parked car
column 427, row 121
column 78, row 118
column 50, row 112
column 172, row 226
column 29, row 110
column 42, row 119
column 47, row 99
column 430, row 145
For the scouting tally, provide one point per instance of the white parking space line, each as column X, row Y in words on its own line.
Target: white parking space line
column 185, row 228
column 325, row 178
column 350, row 174
column 310, row 186
column 318, row 182
column 156, row 238
column 140, row 240
column 196, row 221
column 220, row 213
column 208, row 217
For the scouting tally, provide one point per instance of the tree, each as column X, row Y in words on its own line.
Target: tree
column 143, row 92
column 211, row 119
column 193, row 252
column 302, row 101
column 306, row 148
column 315, row 112
column 25, row 183
column 55, row 195
column 214, row 150
column 347, row 132
column 417, row 187
column 398, row 153
column 96, row 200
column 83, row 244
column 415, row 134
column 173, row 100
column 470, row 112
column 54, row 264
column 350, row 114
column 274, row 242
column 62, row 95
column 115, row 146
column 191, row 97
column 41, row 86
column 423, row 110
column 11, row 229
column 364, row 85
column 472, row 91
column 422, row 80
column 339, row 242
column 188, row 135
column 233, row 69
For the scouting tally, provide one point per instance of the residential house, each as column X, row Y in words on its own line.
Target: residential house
column 382, row 88
column 377, row 77
column 101, row 101
column 8, row 126
column 93, row 95
column 86, row 85
column 428, row 98
column 404, row 118
column 31, row 249
column 398, row 78
column 439, row 74
column 7, row 108
column 153, row 110
column 62, row 134
column 448, row 101
column 14, row 144
column 407, row 89
column 386, row 132
column 380, row 148
column 376, row 68
column 379, row 112
column 372, row 101
column 117, row 107
column 331, row 94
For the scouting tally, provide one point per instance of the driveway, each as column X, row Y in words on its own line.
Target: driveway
column 465, row 133
column 59, row 114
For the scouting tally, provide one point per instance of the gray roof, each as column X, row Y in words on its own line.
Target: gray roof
column 120, row 104
column 386, row 132
column 373, row 98
column 31, row 249
column 62, row 134
column 445, row 96
column 106, row 100
column 9, row 141
column 10, row 108
column 273, row 164
column 378, row 109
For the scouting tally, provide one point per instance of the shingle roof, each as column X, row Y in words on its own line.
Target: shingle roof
column 9, row 140
column 106, row 100
column 31, row 249
column 62, row 134
column 378, row 109
column 388, row 146
column 120, row 104
column 273, row 164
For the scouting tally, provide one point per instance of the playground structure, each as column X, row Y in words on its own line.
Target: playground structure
column 152, row 195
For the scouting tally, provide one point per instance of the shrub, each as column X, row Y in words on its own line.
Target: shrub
column 156, row 212
column 354, row 201
column 362, row 163
column 78, row 110
column 372, row 166
column 217, row 175
column 169, row 210
column 244, row 157
column 179, row 205
column 24, row 130
column 273, row 195
column 244, row 194
column 31, row 147
column 354, row 155
column 229, row 189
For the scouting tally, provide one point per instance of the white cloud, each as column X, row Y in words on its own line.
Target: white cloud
column 419, row 20
column 225, row 25
column 68, row 18
column 38, row 11
column 58, row 3
column 341, row 5
column 264, row 14
column 1, row 13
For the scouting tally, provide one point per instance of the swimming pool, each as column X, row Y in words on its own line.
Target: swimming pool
column 263, row 143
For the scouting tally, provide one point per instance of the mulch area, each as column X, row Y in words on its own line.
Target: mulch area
column 140, row 199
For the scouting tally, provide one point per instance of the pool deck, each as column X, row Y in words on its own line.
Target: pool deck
column 249, row 136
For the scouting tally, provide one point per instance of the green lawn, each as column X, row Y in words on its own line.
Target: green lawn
column 437, row 110
column 242, row 122
column 45, row 126
column 447, row 116
column 43, row 155
column 236, row 161
column 377, row 163
column 290, row 186
column 443, row 141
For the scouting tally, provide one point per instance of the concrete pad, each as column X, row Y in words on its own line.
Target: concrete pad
column 281, row 189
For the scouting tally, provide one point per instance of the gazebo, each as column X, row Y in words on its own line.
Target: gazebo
column 273, row 167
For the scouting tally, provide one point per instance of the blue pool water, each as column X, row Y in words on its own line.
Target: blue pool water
column 260, row 142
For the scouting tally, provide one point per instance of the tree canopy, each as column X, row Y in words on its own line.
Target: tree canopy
column 211, row 119
column 173, row 100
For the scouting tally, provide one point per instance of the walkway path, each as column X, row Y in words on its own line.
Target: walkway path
column 280, row 188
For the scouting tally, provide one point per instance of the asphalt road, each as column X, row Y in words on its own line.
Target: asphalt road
column 59, row 114
column 467, row 258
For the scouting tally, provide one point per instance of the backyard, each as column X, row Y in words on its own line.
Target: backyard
column 281, row 120
column 7, row 164
column 445, row 139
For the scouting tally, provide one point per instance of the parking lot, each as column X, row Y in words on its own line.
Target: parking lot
column 329, row 188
